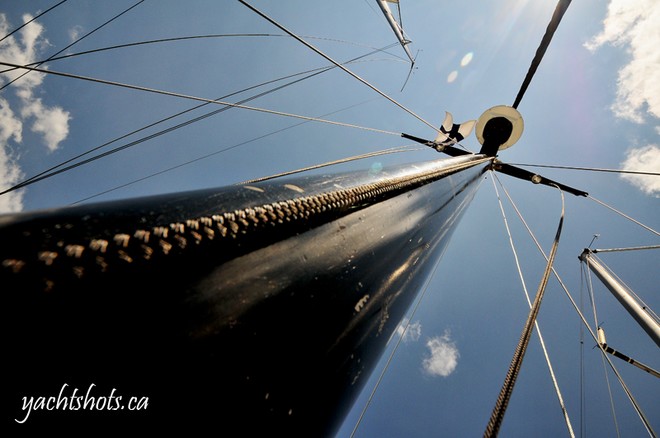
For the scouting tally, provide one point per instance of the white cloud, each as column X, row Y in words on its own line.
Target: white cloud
column 22, row 51
column 633, row 24
column 410, row 332
column 10, row 173
column 74, row 33
column 443, row 357
column 646, row 158
column 10, row 126
column 50, row 122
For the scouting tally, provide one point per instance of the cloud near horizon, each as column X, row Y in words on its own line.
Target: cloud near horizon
column 443, row 356
column 50, row 122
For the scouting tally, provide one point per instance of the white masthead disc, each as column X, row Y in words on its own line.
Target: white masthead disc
column 509, row 113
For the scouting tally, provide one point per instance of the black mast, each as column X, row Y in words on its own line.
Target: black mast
column 253, row 308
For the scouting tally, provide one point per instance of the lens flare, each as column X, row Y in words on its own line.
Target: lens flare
column 467, row 59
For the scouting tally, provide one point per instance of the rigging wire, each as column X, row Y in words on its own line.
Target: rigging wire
column 317, row 166
column 503, row 398
column 624, row 215
column 195, row 98
column 391, row 356
column 372, row 8
column 52, row 170
column 398, row 8
column 560, row 9
column 261, row 137
column 76, row 41
column 536, row 324
column 321, row 70
column 139, row 43
column 49, row 170
column 583, row 425
column 396, row 346
column 631, row 398
column 355, row 76
column 609, row 391
column 590, row 290
column 31, row 20
column 590, row 169
column 334, row 162
column 193, row 37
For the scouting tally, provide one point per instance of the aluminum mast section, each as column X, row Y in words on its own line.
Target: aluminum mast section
column 621, row 293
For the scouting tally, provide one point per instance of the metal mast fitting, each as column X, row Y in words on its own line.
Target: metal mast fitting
column 622, row 294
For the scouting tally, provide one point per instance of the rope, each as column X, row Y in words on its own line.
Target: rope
column 591, row 169
column 499, row 410
column 560, row 9
column 75, row 42
column 638, row 410
column 319, row 52
column 30, row 21
column 624, row 215
column 536, row 324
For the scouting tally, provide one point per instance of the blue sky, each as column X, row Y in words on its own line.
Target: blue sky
column 594, row 102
